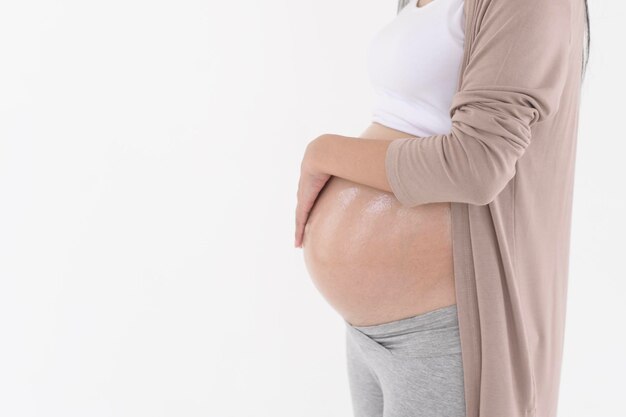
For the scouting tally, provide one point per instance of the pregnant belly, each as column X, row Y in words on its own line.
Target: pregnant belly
column 375, row 260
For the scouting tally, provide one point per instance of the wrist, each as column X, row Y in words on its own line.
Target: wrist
column 316, row 154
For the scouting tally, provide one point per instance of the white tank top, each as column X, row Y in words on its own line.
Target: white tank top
column 413, row 63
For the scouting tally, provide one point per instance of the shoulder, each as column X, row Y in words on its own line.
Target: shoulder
column 538, row 20
column 543, row 10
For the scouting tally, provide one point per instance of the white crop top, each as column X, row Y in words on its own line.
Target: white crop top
column 414, row 63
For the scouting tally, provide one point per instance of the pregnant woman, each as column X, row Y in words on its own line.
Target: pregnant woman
column 441, row 233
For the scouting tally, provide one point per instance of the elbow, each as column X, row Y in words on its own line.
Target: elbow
column 475, row 190
column 483, row 196
column 485, row 190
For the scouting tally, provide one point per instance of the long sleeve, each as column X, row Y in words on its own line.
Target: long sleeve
column 514, row 78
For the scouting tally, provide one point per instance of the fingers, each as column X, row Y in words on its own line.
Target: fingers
column 309, row 188
column 306, row 198
column 302, row 214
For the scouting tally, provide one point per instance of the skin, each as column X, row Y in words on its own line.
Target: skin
column 346, row 157
column 373, row 259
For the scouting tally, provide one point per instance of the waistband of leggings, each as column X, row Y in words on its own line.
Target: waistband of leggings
column 442, row 317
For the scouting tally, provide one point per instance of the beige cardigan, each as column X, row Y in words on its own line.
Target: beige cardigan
column 507, row 167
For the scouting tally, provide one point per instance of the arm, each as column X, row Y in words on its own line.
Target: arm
column 514, row 78
column 356, row 159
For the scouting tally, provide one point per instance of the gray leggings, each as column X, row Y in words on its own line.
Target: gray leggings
column 407, row 368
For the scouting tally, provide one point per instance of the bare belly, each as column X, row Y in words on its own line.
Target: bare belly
column 373, row 259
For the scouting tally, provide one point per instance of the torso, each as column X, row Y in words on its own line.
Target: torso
column 373, row 259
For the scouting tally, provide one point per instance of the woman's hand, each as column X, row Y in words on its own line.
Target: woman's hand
column 311, row 183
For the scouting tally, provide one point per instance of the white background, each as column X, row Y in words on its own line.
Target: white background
column 149, row 159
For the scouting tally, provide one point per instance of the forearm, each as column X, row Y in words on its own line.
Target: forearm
column 356, row 159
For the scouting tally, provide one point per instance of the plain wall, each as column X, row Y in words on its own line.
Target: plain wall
column 149, row 160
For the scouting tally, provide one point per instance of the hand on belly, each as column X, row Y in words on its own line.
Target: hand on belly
column 375, row 260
